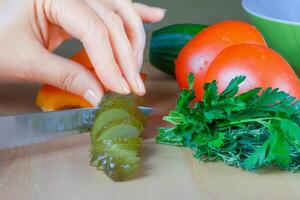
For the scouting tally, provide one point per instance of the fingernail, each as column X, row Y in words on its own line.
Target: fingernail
column 91, row 97
column 159, row 8
column 124, row 85
column 162, row 12
column 140, row 85
column 140, row 59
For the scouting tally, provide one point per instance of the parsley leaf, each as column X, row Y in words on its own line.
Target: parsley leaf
column 279, row 150
column 218, row 142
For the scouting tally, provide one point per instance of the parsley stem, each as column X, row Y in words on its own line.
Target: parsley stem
column 258, row 120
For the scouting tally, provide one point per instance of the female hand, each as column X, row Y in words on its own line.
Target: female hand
column 111, row 31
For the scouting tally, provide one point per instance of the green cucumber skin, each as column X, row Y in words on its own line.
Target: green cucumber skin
column 167, row 42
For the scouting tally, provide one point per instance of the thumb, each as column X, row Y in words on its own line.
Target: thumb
column 67, row 75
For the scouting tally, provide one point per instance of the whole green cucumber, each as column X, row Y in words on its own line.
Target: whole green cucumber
column 167, row 42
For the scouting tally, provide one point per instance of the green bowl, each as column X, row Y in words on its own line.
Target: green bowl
column 279, row 22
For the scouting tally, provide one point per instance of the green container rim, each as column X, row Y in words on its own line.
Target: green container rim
column 251, row 12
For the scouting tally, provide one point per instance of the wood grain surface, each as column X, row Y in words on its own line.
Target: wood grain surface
column 60, row 169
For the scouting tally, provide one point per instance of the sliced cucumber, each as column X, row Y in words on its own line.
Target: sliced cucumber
column 115, row 136
column 116, row 111
column 123, row 163
column 131, row 99
column 107, row 101
column 118, row 157
column 127, row 127
column 115, row 107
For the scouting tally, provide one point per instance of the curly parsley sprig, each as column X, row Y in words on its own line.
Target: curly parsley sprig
column 251, row 130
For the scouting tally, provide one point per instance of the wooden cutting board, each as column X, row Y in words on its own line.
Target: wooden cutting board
column 60, row 169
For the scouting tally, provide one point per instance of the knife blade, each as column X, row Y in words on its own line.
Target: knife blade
column 25, row 129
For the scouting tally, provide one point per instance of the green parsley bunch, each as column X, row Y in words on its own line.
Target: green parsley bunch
column 251, row 130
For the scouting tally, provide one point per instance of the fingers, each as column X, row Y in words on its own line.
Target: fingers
column 65, row 74
column 133, row 14
column 114, row 42
column 148, row 13
column 122, row 48
column 134, row 27
column 80, row 21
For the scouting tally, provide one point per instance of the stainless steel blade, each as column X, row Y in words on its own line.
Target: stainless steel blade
column 23, row 129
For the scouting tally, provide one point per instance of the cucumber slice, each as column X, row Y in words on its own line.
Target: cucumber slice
column 122, row 163
column 128, row 127
column 118, row 158
column 115, row 107
column 115, row 111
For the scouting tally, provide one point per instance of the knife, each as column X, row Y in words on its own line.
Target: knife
column 24, row 129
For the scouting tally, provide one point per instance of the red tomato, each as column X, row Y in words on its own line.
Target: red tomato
column 199, row 52
column 263, row 67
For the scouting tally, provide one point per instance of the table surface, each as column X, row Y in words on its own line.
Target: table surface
column 60, row 169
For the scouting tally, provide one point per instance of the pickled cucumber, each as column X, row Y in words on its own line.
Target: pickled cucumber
column 116, row 111
column 127, row 127
column 115, row 137
column 131, row 99
column 116, row 157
